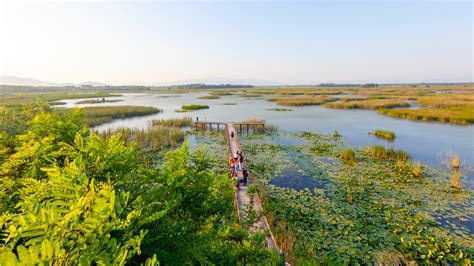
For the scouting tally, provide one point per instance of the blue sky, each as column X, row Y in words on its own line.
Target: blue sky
column 290, row 43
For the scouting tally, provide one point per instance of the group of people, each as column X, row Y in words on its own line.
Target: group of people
column 237, row 164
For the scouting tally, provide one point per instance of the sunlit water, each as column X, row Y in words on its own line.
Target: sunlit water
column 427, row 142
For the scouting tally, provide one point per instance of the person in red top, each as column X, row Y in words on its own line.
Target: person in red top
column 233, row 162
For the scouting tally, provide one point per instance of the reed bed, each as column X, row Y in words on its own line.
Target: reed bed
column 194, row 107
column 267, row 127
column 97, row 115
column 373, row 104
column 303, row 101
column 446, row 100
column 155, row 138
column 462, row 115
column 381, row 152
column 174, row 122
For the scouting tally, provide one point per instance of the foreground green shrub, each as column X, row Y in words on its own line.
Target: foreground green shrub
column 70, row 197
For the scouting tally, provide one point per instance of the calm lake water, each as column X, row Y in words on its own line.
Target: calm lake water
column 427, row 142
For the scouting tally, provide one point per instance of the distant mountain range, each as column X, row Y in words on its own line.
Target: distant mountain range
column 11, row 80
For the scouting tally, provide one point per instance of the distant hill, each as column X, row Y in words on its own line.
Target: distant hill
column 11, row 80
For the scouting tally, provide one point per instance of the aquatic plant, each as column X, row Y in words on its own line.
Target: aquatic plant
column 456, row 180
column 364, row 215
column 455, row 161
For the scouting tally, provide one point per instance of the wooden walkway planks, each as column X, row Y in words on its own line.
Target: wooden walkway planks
column 243, row 126
column 243, row 198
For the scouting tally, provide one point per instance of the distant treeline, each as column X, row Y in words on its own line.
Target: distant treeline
column 208, row 86
column 337, row 85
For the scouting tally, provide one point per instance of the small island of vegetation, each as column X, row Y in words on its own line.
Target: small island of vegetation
column 194, row 107
column 388, row 135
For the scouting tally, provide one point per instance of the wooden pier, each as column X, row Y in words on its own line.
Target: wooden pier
column 243, row 198
column 242, row 126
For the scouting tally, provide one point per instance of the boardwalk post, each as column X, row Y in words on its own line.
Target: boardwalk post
column 218, row 127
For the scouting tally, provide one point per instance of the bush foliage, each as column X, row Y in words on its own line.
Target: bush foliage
column 69, row 196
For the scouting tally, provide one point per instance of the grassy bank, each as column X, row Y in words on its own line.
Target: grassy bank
column 94, row 116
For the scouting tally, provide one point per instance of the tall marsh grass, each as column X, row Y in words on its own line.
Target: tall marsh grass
column 97, row 115
column 174, row 122
column 463, row 115
column 154, row 138
column 302, row 101
column 372, row 104
column 194, row 107
column 381, row 152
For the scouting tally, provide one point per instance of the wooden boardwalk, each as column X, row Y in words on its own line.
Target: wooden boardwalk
column 242, row 126
column 243, row 198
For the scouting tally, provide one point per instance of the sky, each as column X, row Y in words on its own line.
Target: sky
column 276, row 42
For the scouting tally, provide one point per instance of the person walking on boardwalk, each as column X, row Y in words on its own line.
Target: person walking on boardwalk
column 246, row 176
column 233, row 165
column 236, row 164
column 241, row 161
